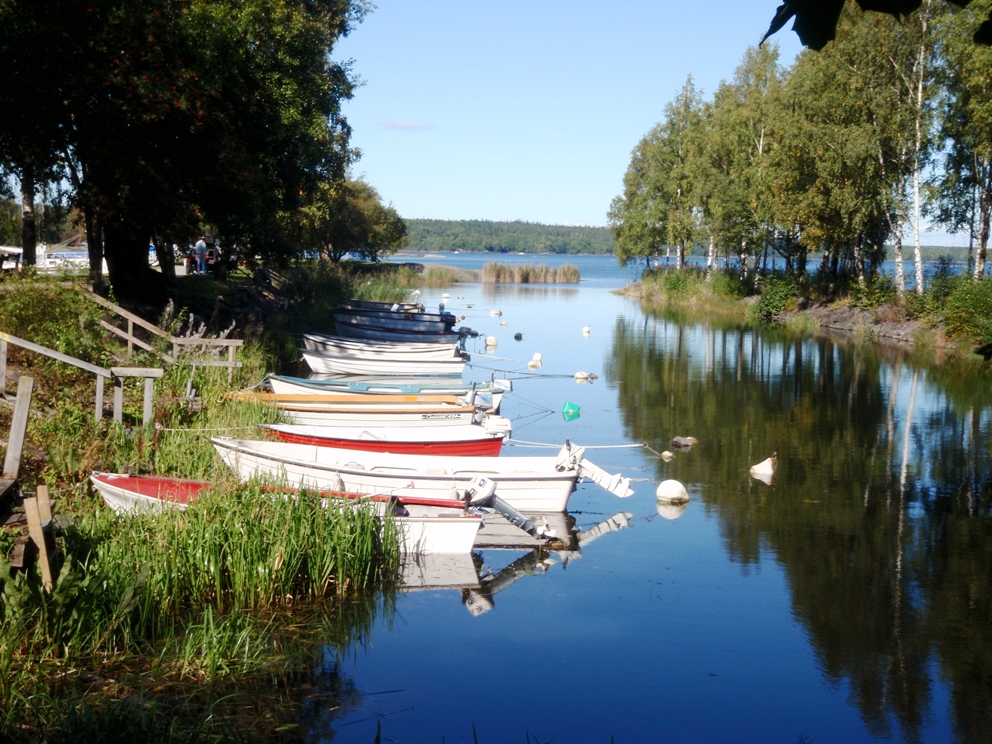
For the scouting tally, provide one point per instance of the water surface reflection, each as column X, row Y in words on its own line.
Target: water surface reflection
column 880, row 510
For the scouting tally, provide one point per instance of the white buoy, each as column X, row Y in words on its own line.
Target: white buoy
column 415, row 293
column 672, row 492
column 581, row 375
column 538, row 356
column 765, row 470
column 586, row 331
column 496, row 313
column 491, row 342
column 445, row 296
column 502, row 323
column 667, row 456
column 461, row 297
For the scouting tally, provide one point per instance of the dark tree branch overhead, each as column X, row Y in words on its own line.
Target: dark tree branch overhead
column 816, row 20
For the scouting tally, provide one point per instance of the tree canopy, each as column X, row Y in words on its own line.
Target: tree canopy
column 168, row 114
column 834, row 157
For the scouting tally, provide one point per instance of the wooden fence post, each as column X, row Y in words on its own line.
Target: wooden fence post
column 118, row 399
column 18, row 426
column 3, row 367
column 38, row 536
column 99, row 397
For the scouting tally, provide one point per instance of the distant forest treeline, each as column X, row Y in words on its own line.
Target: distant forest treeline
column 483, row 236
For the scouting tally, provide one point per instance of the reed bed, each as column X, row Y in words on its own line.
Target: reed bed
column 505, row 273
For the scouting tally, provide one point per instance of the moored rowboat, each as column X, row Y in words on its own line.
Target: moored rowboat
column 376, row 333
column 432, row 322
column 442, row 440
column 483, row 398
column 530, row 484
column 377, row 349
column 333, row 363
column 430, row 525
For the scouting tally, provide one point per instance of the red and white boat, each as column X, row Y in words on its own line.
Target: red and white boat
column 529, row 484
column 430, row 525
column 470, row 440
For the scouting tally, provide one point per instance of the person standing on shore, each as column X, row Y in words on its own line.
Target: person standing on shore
column 201, row 256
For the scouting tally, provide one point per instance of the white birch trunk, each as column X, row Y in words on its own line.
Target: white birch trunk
column 711, row 259
column 921, row 60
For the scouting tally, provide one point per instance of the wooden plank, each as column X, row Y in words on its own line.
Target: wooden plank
column 44, row 504
column 38, row 536
column 18, row 427
column 136, row 319
column 99, row 398
column 3, row 367
column 148, row 412
column 119, row 399
column 137, row 371
column 183, row 341
column 123, row 334
column 54, row 354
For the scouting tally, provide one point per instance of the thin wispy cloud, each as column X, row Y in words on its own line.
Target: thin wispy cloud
column 405, row 126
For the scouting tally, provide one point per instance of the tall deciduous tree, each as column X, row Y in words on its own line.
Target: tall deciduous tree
column 172, row 112
column 659, row 201
column 350, row 218
column 966, row 189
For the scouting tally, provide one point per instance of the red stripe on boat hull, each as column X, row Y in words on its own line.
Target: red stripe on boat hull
column 485, row 447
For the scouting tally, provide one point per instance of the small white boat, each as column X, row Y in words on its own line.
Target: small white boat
column 301, row 386
column 358, row 331
column 337, row 409
column 430, row 526
column 384, row 349
column 530, row 484
column 403, row 307
column 332, row 363
column 365, row 385
column 398, row 321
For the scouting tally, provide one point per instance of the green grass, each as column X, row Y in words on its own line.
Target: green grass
column 175, row 612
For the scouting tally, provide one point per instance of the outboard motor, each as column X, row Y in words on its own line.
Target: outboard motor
column 481, row 493
column 571, row 457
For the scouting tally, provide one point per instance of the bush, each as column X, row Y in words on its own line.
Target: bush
column 880, row 290
column 778, row 293
column 967, row 311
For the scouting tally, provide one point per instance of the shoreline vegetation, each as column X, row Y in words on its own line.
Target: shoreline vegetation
column 954, row 314
column 213, row 623
column 496, row 273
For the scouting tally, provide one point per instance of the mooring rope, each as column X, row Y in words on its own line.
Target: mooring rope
column 524, row 442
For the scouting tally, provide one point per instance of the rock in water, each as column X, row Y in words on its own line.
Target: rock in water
column 684, row 442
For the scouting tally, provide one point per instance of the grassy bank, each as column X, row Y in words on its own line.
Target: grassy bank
column 177, row 626
column 954, row 309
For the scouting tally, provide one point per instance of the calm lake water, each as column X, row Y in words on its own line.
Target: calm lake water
column 848, row 602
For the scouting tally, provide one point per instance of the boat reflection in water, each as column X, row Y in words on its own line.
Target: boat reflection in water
column 478, row 584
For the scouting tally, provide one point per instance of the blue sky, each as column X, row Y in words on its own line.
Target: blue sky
column 506, row 109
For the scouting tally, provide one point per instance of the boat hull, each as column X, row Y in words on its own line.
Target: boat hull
column 441, row 527
column 330, row 363
column 395, row 321
column 530, row 484
column 402, row 441
column 301, row 386
column 379, row 349
column 145, row 493
column 356, row 331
